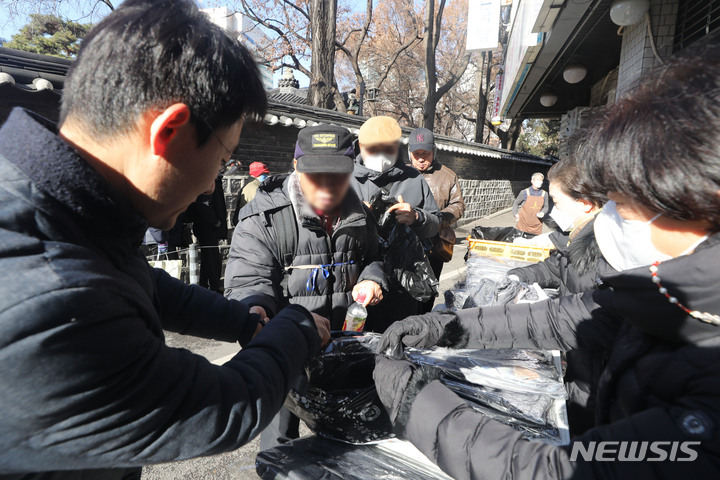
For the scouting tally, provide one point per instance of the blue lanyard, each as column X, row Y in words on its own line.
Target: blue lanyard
column 325, row 269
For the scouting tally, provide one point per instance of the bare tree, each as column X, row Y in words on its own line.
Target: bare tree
column 353, row 42
column 432, row 35
column 323, row 18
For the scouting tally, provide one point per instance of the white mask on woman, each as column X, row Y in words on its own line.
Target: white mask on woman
column 379, row 162
column 626, row 244
column 563, row 219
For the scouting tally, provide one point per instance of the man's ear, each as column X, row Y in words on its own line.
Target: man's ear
column 166, row 125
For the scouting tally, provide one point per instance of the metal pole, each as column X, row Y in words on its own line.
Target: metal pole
column 193, row 264
column 361, row 98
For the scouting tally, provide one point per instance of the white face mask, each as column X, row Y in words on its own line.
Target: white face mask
column 379, row 162
column 626, row 244
column 563, row 219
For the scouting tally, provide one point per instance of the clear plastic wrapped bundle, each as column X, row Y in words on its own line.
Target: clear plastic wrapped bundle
column 315, row 458
column 486, row 284
column 521, row 388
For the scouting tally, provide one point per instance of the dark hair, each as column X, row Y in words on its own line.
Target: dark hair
column 660, row 145
column 575, row 184
column 150, row 54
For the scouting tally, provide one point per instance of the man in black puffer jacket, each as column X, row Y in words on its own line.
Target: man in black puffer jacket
column 89, row 389
column 288, row 250
column 379, row 167
column 306, row 239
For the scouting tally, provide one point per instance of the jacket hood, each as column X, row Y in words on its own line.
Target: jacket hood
column 31, row 143
column 692, row 279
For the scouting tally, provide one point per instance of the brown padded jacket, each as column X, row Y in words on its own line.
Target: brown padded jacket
column 446, row 189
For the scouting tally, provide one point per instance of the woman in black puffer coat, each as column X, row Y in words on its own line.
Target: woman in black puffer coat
column 576, row 263
column 657, row 319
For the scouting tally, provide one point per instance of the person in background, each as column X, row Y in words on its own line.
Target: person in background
column 445, row 187
column 209, row 219
column 576, row 263
column 379, row 167
column 259, row 171
column 531, row 206
column 89, row 387
column 656, row 320
column 307, row 239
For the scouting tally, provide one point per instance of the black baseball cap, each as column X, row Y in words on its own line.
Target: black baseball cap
column 421, row 139
column 324, row 149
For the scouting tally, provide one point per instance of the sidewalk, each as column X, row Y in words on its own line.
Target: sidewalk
column 240, row 464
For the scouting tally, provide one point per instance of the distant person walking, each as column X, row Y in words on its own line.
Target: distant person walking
column 259, row 171
column 531, row 206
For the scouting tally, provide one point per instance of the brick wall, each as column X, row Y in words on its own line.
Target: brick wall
column 636, row 57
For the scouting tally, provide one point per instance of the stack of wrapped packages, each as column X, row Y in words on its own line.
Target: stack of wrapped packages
column 521, row 388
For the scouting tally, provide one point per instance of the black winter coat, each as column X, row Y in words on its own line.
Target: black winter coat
column 573, row 267
column 208, row 215
column 255, row 271
column 402, row 180
column 86, row 380
column 662, row 380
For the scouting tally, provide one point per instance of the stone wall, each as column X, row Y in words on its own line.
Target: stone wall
column 490, row 183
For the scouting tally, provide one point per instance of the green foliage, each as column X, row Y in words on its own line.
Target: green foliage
column 49, row 35
column 539, row 137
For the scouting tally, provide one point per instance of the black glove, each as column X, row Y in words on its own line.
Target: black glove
column 398, row 383
column 419, row 331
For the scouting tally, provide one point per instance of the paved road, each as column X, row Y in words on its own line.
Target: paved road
column 240, row 464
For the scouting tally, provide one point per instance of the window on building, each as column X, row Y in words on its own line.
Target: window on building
column 696, row 18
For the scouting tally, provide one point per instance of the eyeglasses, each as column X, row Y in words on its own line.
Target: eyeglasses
column 217, row 137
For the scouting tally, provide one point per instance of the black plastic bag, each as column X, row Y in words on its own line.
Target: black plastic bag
column 340, row 401
column 516, row 387
column 405, row 255
column 498, row 234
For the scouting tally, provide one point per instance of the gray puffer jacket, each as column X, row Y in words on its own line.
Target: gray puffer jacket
column 402, row 180
column 325, row 268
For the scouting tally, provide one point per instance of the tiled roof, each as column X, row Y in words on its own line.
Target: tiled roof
column 31, row 80
column 300, row 116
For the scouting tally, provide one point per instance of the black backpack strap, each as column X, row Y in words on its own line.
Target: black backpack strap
column 284, row 223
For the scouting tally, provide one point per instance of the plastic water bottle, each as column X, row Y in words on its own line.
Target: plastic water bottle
column 356, row 316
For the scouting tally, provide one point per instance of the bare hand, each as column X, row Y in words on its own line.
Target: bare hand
column 323, row 328
column 404, row 212
column 263, row 316
column 371, row 290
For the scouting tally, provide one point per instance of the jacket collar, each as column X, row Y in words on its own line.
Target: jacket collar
column 353, row 212
column 32, row 144
column 693, row 279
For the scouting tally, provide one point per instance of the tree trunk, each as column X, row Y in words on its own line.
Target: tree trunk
column 430, row 73
column 322, row 27
column 513, row 132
